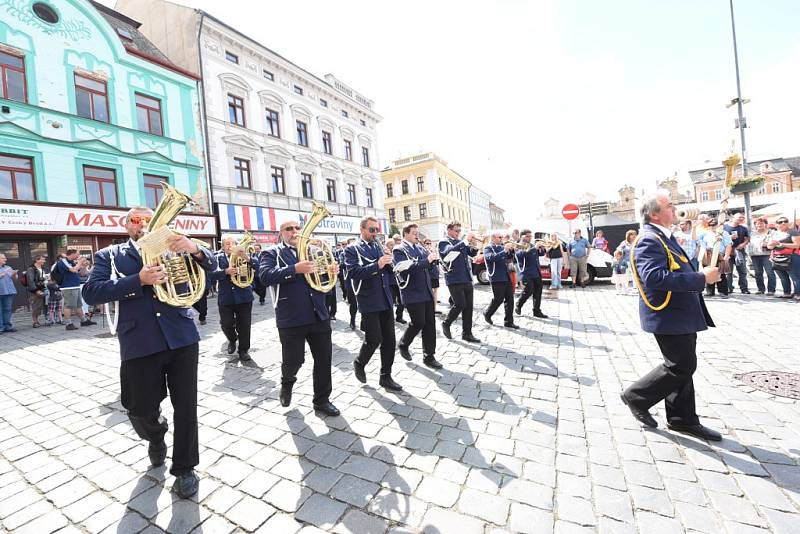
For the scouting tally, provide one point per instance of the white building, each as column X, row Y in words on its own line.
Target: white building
column 479, row 208
column 277, row 135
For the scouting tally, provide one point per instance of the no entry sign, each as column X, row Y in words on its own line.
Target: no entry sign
column 570, row 211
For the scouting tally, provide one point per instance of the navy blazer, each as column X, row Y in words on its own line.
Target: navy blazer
column 229, row 294
column 459, row 271
column 414, row 282
column 371, row 286
column 686, row 311
column 296, row 304
column 145, row 324
column 496, row 263
column 528, row 262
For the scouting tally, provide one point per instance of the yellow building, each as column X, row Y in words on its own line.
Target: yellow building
column 424, row 190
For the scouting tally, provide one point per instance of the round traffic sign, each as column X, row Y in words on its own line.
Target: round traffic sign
column 570, row 211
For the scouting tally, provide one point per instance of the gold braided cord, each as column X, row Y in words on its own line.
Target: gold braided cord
column 673, row 266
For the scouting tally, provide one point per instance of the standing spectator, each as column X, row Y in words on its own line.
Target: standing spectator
column 7, row 292
column 600, row 242
column 785, row 245
column 578, row 259
column 625, row 246
column 36, row 288
column 67, row 271
column 55, row 304
column 556, row 254
column 757, row 248
column 690, row 243
column 740, row 235
column 726, row 245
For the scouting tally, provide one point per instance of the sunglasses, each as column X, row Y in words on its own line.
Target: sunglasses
column 139, row 219
column 292, row 228
column 373, row 229
column 782, row 222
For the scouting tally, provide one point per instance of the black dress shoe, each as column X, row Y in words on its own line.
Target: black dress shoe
column 353, row 324
column 746, row 292
column 512, row 326
column 387, row 383
column 157, row 451
column 231, row 347
column 202, row 321
column 446, row 330
column 487, row 318
column 400, row 320
column 404, row 352
column 358, row 369
column 286, row 395
column 698, row 430
column 327, row 408
column 643, row 416
column 432, row 362
column 517, row 310
column 470, row 338
column 186, row 485
column 540, row 315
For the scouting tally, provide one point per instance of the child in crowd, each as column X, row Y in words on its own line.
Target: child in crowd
column 55, row 304
column 619, row 273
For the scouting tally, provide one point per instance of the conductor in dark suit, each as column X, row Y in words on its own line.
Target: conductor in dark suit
column 158, row 345
column 301, row 316
column 671, row 307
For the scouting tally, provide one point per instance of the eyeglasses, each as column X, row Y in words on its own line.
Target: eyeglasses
column 782, row 221
column 292, row 228
column 139, row 219
column 373, row 229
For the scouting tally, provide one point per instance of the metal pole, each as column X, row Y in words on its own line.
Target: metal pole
column 741, row 116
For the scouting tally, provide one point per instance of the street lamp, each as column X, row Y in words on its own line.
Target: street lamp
column 740, row 123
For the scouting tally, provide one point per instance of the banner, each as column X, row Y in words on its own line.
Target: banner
column 240, row 218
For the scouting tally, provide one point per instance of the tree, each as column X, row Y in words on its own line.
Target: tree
column 393, row 229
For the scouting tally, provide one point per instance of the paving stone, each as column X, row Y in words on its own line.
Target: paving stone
column 287, row 495
column 698, row 518
column 321, row 511
column 530, row 493
column 366, row 468
column 653, row 500
column 614, row 504
column 764, row 493
column 657, row 524
column 492, row 508
column 437, row 491
column 249, row 513
column 735, row 509
column 530, row 520
column 438, row 520
column 357, row 522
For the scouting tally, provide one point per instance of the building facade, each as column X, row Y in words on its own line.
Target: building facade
column 92, row 118
column 782, row 175
column 278, row 136
column 479, row 212
column 423, row 189
column 497, row 216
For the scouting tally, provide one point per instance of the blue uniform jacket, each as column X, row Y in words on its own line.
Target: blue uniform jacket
column 145, row 324
column 229, row 294
column 459, row 271
column 496, row 263
column 372, row 286
column 529, row 263
column 686, row 311
column 414, row 282
column 296, row 304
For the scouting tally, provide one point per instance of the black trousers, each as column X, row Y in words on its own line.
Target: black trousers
column 670, row 381
column 721, row 286
column 143, row 385
column 503, row 293
column 330, row 301
column 352, row 303
column 398, row 303
column 293, row 349
column 422, row 320
column 260, row 290
column 532, row 288
column 235, row 320
column 378, row 332
column 202, row 306
column 461, row 299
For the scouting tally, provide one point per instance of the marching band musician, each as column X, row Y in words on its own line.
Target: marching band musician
column 497, row 255
column 259, row 288
column 398, row 302
column 416, row 294
column 458, row 277
column 301, row 316
column 235, row 303
column 158, row 346
column 370, row 271
column 528, row 261
column 352, row 303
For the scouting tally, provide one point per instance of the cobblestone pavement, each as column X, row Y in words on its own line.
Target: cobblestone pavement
column 524, row 434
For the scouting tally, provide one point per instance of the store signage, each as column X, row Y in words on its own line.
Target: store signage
column 78, row 220
column 239, row 218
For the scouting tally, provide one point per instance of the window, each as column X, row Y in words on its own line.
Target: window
column 306, row 185
column 776, row 187
column 449, row 212
column 368, row 191
column 365, row 156
column 91, row 98
column 268, row 75
column 241, row 170
column 236, row 110
column 389, row 190
column 392, row 215
column 404, row 186
column 323, row 102
column 762, row 190
column 12, row 77
column 420, row 183
column 440, row 185
column 230, row 56
column 153, row 190
column 363, row 122
column 101, row 186
column 327, row 146
column 423, row 210
column 331, row 187
column 298, row 89
column 148, row 114
column 345, row 114
column 16, row 178
column 45, row 12
column 717, row 194
column 406, row 213
column 442, row 206
column 273, row 123
column 302, row 134
column 351, row 194
column 278, row 182
column 705, row 196
column 348, row 150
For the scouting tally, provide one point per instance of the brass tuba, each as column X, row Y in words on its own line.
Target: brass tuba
column 244, row 275
column 323, row 278
column 186, row 280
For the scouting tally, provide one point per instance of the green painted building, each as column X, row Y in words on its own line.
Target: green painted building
column 92, row 118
